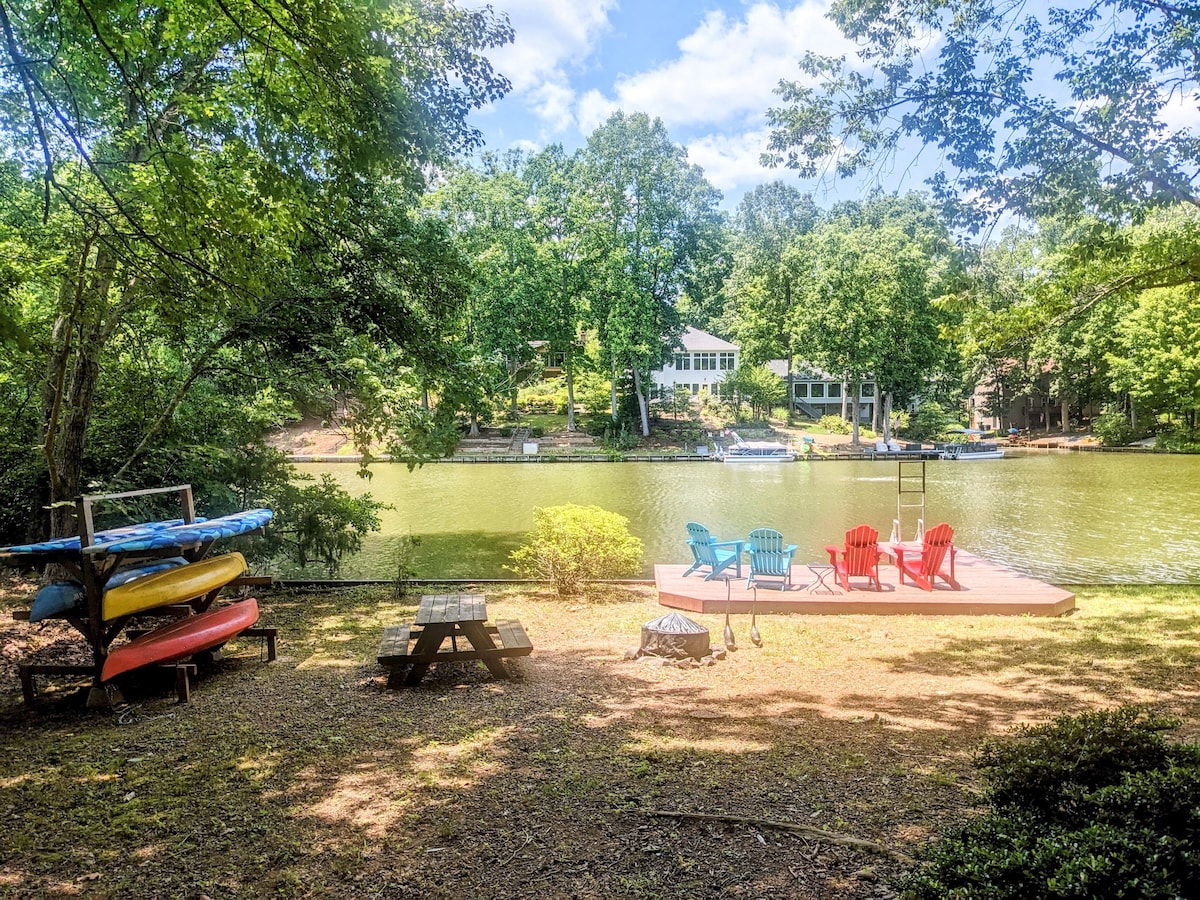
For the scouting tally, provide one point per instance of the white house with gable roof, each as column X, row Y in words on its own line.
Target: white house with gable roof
column 699, row 364
column 704, row 360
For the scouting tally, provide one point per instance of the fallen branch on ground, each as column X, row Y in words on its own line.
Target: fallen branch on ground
column 843, row 840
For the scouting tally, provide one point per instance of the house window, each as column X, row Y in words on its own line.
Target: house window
column 695, row 390
column 557, row 359
column 835, row 391
column 800, row 390
column 683, row 361
column 728, row 360
column 816, row 391
column 706, row 362
column 867, row 392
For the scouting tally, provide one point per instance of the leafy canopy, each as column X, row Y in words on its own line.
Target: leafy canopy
column 1060, row 113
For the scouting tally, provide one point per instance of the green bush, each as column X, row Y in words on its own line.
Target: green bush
column 1097, row 805
column 1047, row 769
column 834, row 424
column 572, row 544
column 548, row 396
column 1113, row 429
column 619, row 439
column 927, row 422
column 1179, row 438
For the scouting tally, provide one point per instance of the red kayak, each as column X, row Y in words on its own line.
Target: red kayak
column 181, row 638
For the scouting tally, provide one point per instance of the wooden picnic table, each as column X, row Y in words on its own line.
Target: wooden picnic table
column 442, row 617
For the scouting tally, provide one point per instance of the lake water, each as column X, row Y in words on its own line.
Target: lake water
column 1065, row 517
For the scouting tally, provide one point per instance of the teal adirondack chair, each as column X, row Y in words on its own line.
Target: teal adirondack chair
column 717, row 555
column 769, row 558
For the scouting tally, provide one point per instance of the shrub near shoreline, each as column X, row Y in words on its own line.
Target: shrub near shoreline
column 572, row 544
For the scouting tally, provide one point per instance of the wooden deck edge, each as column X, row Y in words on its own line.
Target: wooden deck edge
column 825, row 605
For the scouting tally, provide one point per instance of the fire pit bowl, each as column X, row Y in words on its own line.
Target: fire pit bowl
column 674, row 637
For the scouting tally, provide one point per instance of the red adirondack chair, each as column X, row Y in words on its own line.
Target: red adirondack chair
column 859, row 558
column 938, row 542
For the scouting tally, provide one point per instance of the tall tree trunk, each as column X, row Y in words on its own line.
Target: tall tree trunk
column 875, row 404
column 570, row 389
column 643, row 411
column 74, row 369
column 613, row 391
column 1066, row 417
column 887, row 416
column 845, row 400
column 854, row 438
column 787, row 380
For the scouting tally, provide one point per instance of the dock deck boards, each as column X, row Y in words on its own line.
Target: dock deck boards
column 987, row 589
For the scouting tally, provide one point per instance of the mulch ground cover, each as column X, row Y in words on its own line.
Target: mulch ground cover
column 309, row 777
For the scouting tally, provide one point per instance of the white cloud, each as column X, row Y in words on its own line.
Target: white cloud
column 730, row 161
column 728, row 68
column 592, row 110
column 1182, row 112
column 551, row 37
column 553, row 102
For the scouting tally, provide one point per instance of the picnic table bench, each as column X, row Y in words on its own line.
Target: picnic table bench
column 407, row 651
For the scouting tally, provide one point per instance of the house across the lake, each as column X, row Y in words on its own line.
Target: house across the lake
column 815, row 393
column 699, row 364
column 704, row 359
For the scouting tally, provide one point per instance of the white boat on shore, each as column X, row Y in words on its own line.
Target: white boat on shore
column 757, row 452
column 973, row 450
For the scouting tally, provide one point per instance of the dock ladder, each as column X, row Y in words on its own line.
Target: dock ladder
column 910, row 500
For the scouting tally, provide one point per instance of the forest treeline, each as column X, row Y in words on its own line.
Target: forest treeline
column 223, row 215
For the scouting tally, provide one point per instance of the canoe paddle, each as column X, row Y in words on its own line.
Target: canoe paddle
column 755, row 637
column 730, row 643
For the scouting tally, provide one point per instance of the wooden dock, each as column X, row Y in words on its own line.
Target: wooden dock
column 987, row 589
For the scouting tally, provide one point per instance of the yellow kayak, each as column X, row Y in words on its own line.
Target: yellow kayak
column 173, row 586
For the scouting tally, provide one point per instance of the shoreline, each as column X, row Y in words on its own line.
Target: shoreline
column 869, row 455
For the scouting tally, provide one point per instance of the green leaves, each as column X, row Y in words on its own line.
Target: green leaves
column 1097, row 142
column 572, row 544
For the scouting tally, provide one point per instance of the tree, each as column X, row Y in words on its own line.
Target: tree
column 189, row 153
column 489, row 211
column 926, row 264
column 1062, row 115
column 1157, row 357
column 768, row 218
column 756, row 385
column 650, row 217
column 561, row 261
column 864, row 310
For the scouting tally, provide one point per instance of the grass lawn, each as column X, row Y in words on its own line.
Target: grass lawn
column 308, row 777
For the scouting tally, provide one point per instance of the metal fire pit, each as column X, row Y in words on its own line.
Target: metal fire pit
column 674, row 637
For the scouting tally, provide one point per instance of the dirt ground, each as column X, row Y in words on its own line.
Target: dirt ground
column 308, row 777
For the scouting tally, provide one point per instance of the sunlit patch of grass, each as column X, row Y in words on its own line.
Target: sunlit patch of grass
column 462, row 763
column 647, row 743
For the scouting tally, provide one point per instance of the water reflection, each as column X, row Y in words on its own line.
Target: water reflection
column 1064, row 517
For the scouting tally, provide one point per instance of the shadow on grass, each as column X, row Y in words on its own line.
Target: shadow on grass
column 309, row 776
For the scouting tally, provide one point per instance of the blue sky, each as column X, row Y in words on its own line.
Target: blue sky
column 707, row 69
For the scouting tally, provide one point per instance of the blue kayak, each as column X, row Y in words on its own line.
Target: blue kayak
column 61, row 597
column 99, row 538
column 197, row 532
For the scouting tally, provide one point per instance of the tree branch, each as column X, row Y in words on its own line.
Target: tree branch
column 809, row 831
column 22, row 65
